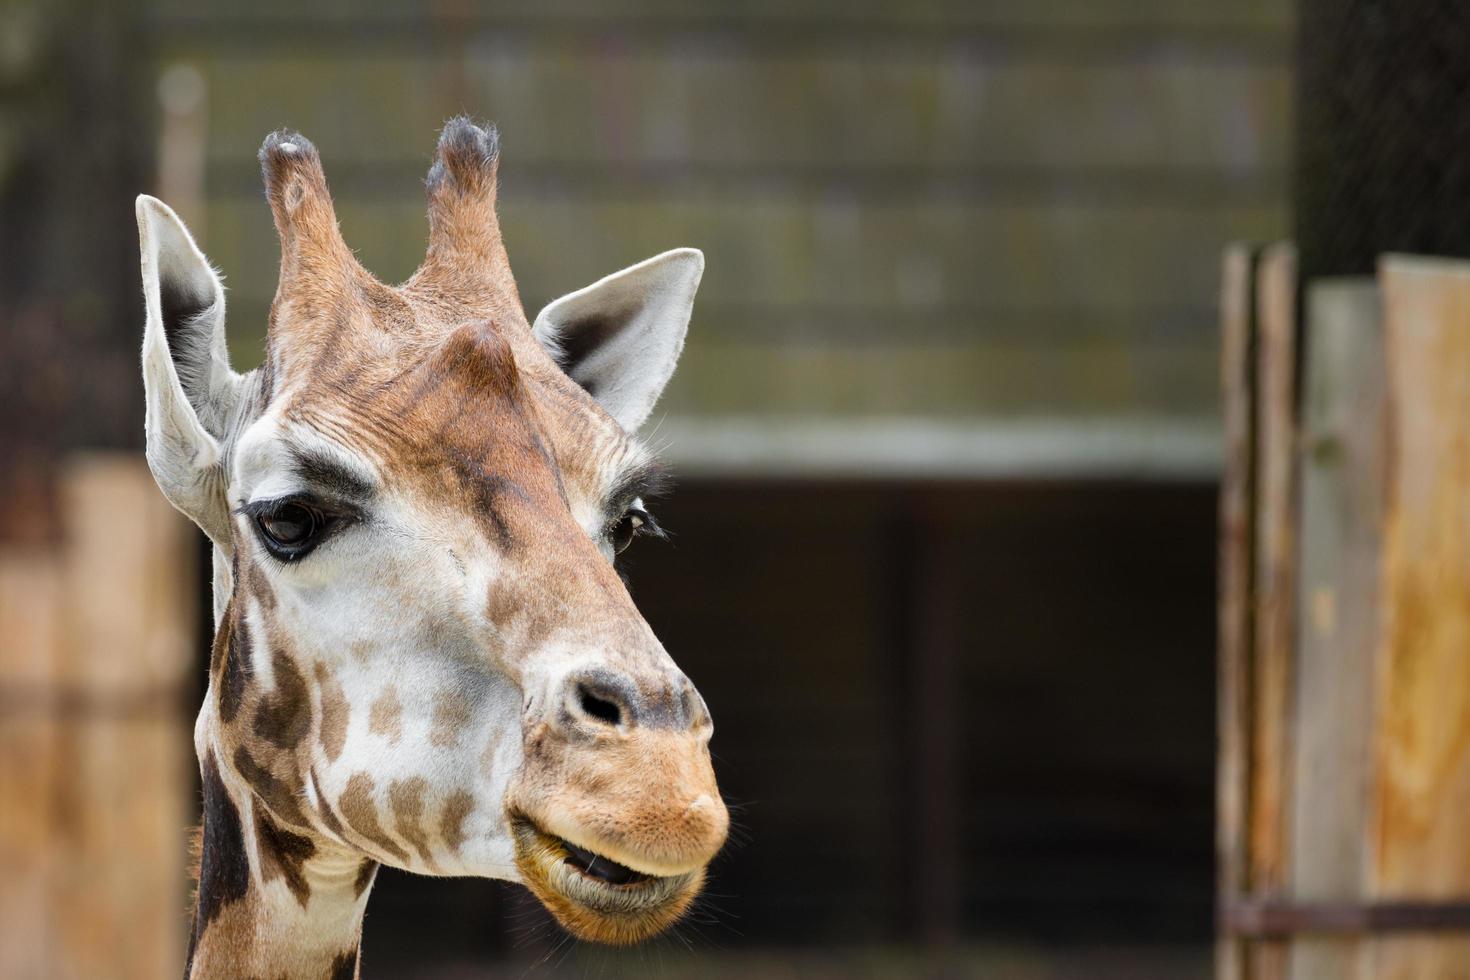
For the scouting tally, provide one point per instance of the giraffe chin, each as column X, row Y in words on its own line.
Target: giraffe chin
column 594, row 898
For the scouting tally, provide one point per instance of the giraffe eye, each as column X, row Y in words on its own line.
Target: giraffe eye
column 627, row 528
column 290, row 530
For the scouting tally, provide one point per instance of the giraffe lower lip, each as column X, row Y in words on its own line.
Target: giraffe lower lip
column 594, row 897
column 584, row 864
column 603, row 869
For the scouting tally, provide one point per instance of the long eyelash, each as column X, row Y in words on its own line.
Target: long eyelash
column 273, row 507
column 649, row 482
column 652, row 528
column 268, row 508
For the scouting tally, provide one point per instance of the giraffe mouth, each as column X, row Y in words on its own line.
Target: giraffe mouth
column 594, row 897
column 604, row 869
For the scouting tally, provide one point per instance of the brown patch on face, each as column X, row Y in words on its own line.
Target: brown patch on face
column 335, row 713
column 221, row 639
column 503, row 607
column 283, row 855
column 407, row 799
column 276, row 794
column 361, row 814
column 386, row 715
column 260, row 588
column 451, row 715
column 283, row 717
column 365, row 875
column 508, row 610
column 451, row 822
column 233, row 644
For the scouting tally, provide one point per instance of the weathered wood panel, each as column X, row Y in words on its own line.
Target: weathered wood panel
column 1275, row 582
column 1236, row 582
column 1116, row 270
column 589, row 111
column 854, row 172
column 901, row 309
column 95, row 640
column 676, row 15
column 30, row 631
column 1342, row 473
column 1421, row 847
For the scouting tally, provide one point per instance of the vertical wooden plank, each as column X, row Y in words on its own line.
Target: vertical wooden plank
column 183, row 140
column 1420, row 818
column 1341, row 468
column 1237, row 549
column 1271, row 673
column 118, row 891
column 131, row 589
column 30, row 639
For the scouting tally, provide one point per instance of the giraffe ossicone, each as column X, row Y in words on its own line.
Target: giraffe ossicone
column 424, row 656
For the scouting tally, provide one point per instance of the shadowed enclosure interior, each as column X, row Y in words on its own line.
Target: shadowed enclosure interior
column 1077, row 722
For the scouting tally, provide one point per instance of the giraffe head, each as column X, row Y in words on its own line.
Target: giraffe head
column 424, row 654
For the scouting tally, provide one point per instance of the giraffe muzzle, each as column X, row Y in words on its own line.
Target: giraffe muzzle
column 594, row 897
column 613, row 827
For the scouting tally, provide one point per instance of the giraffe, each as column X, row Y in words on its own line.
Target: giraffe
column 424, row 656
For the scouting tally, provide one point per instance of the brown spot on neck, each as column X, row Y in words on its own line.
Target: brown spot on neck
column 283, row 855
column 386, row 715
column 280, row 797
column 452, row 714
column 451, row 822
column 324, row 809
column 344, row 967
column 365, row 875
column 224, row 868
column 361, row 814
column 336, row 713
column 407, row 798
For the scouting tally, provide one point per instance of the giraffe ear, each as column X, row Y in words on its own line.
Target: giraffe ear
column 191, row 392
column 620, row 337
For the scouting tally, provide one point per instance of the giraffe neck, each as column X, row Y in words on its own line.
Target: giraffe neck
column 271, row 902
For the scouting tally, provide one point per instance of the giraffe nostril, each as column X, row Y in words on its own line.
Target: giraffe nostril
column 599, row 708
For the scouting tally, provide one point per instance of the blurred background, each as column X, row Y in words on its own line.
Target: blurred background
column 945, row 433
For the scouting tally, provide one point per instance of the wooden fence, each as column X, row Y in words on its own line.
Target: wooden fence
column 96, row 649
column 1344, row 777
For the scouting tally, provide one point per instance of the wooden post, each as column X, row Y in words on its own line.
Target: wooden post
column 95, row 646
column 1342, row 472
column 1420, row 806
column 1275, row 581
column 1236, row 588
column 183, row 143
column 30, row 633
column 1352, row 709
